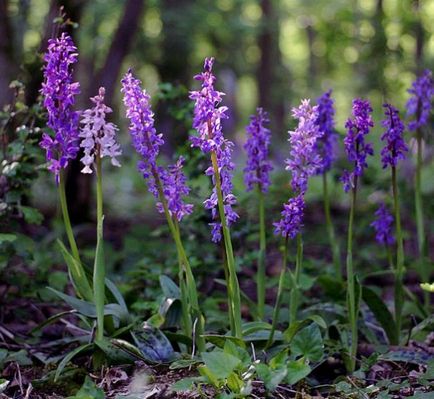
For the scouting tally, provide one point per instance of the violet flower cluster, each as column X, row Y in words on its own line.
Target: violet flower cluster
column 395, row 148
column 304, row 162
column 292, row 217
column 59, row 91
column 355, row 146
column 98, row 135
column 258, row 166
column 383, row 225
column 327, row 143
column 147, row 143
column 304, row 159
column 207, row 122
column 419, row 104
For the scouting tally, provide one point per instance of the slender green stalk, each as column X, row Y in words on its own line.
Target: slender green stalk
column 418, row 197
column 421, row 239
column 260, row 278
column 189, row 295
column 399, row 271
column 99, row 266
column 278, row 303
column 234, row 291
column 390, row 258
column 351, row 290
column 78, row 275
column 66, row 220
column 228, row 288
column 334, row 244
column 295, row 292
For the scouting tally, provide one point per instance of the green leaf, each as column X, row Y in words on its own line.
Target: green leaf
column 31, row 215
column 381, row 313
column 154, row 345
column 4, row 237
column 297, row 370
column 77, row 273
column 169, row 287
column 252, row 327
column 115, row 352
column 51, row 320
column 88, row 391
column 220, row 340
column 186, row 384
column 308, row 343
column 220, row 364
column 234, row 383
column 69, row 357
column 21, row 357
column 279, row 360
column 270, row 378
column 88, row 309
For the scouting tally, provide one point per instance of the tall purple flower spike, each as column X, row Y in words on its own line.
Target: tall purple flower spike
column 147, row 143
column 98, row 135
column 258, row 166
column 383, row 225
column 419, row 104
column 327, row 143
column 355, row 146
column 304, row 159
column 59, row 91
column 395, row 148
column 207, row 122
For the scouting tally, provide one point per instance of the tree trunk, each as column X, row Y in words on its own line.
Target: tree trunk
column 7, row 55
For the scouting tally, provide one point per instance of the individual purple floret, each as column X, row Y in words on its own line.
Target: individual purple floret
column 304, row 160
column 59, row 91
column 258, row 166
column 98, row 135
column 383, row 226
column 207, row 122
column 327, row 143
column 147, row 143
column 174, row 189
column 292, row 217
column 395, row 148
column 419, row 104
column 355, row 147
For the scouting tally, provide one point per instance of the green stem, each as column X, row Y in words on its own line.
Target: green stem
column 260, row 279
column 420, row 218
column 66, row 220
column 228, row 288
column 234, row 291
column 390, row 258
column 77, row 273
column 278, row 303
column 331, row 231
column 351, row 292
column 99, row 267
column 295, row 292
column 399, row 271
column 189, row 295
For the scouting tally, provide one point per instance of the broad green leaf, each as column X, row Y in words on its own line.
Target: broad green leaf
column 297, row 370
column 252, row 327
column 237, row 351
column 154, row 345
column 234, row 383
column 115, row 353
column 4, row 237
column 69, row 357
column 88, row 391
column 308, row 343
column 220, row 340
column 77, row 273
column 31, row 215
column 279, row 360
column 220, row 364
column 169, row 287
column 186, row 384
column 270, row 378
column 381, row 313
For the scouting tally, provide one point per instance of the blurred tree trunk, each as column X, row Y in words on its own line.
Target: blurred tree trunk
column 379, row 51
column 271, row 83
column 7, row 55
column 108, row 75
column 174, row 67
column 420, row 38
